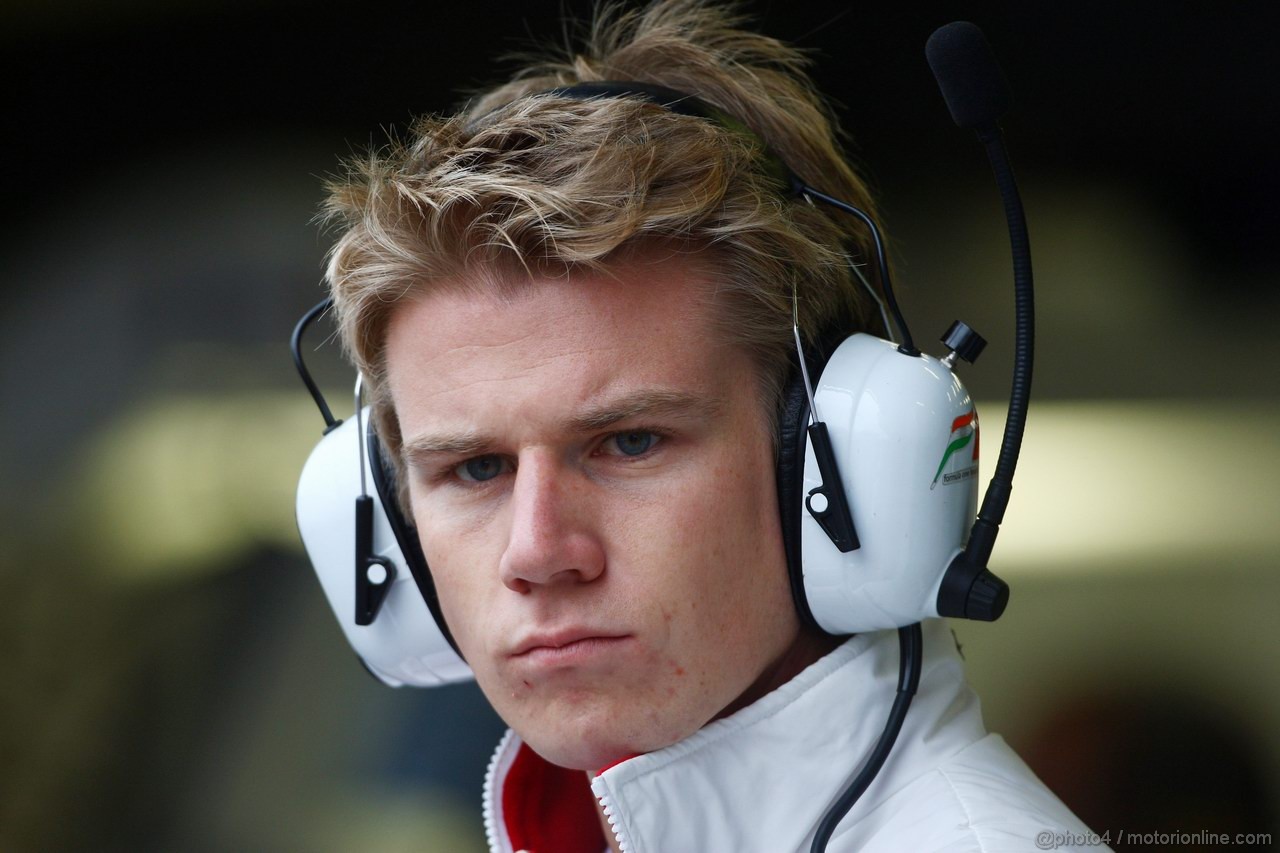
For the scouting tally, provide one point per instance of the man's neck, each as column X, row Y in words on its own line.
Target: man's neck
column 810, row 646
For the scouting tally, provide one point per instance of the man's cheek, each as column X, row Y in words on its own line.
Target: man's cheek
column 462, row 602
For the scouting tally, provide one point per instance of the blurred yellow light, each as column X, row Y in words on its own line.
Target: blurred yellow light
column 1106, row 483
column 185, row 484
column 182, row 485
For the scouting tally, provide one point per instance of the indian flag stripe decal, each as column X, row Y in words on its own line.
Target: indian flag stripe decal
column 969, row 421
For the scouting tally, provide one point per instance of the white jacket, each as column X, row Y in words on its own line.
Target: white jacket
column 761, row 779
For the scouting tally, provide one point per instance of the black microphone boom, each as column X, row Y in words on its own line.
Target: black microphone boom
column 972, row 82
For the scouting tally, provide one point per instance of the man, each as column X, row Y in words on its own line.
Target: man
column 573, row 315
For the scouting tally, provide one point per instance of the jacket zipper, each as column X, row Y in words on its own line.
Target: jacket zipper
column 606, row 803
column 494, row 830
column 495, row 834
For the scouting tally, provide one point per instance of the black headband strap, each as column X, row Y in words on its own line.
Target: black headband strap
column 670, row 99
column 682, row 104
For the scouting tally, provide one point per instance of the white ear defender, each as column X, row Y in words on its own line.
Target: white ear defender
column 877, row 470
column 896, row 422
column 393, row 624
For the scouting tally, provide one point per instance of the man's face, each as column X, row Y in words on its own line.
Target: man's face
column 590, row 471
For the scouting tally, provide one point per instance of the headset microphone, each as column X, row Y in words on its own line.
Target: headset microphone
column 972, row 82
column 977, row 94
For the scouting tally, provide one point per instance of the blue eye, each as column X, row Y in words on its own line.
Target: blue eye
column 634, row 443
column 481, row 468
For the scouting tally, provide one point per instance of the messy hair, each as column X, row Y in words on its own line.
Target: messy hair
column 526, row 182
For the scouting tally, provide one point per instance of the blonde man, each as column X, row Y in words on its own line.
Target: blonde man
column 573, row 315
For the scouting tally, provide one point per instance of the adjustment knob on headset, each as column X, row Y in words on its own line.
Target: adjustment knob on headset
column 964, row 342
column 987, row 597
column 969, row 590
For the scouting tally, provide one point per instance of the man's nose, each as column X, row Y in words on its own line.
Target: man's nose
column 552, row 539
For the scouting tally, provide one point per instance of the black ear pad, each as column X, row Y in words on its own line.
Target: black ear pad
column 793, row 436
column 384, row 480
column 793, row 417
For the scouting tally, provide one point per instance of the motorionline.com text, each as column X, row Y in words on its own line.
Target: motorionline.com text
column 1051, row 840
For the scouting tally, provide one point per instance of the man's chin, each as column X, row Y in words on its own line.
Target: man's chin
column 590, row 726
column 577, row 756
column 592, row 746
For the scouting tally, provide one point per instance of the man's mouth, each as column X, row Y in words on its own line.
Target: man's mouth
column 575, row 645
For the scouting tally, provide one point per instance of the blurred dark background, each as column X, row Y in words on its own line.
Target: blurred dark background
column 172, row 677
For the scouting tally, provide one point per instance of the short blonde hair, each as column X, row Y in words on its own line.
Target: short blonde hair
column 525, row 181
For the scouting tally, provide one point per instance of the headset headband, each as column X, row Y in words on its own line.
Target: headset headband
column 684, row 104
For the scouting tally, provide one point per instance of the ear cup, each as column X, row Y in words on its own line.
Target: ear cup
column 345, row 522
column 384, row 479
column 902, row 429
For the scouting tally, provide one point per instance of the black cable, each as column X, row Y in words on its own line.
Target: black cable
column 910, row 650
column 907, row 347
column 295, row 346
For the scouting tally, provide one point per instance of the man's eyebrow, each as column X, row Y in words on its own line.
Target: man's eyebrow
column 454, row 444
column 643, row 404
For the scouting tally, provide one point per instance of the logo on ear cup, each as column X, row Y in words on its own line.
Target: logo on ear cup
column 964, row 430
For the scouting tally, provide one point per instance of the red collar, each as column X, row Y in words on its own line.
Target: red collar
column 549, row 809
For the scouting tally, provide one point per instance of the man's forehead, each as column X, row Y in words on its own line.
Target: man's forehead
column 672, row 295
column 576, row 354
